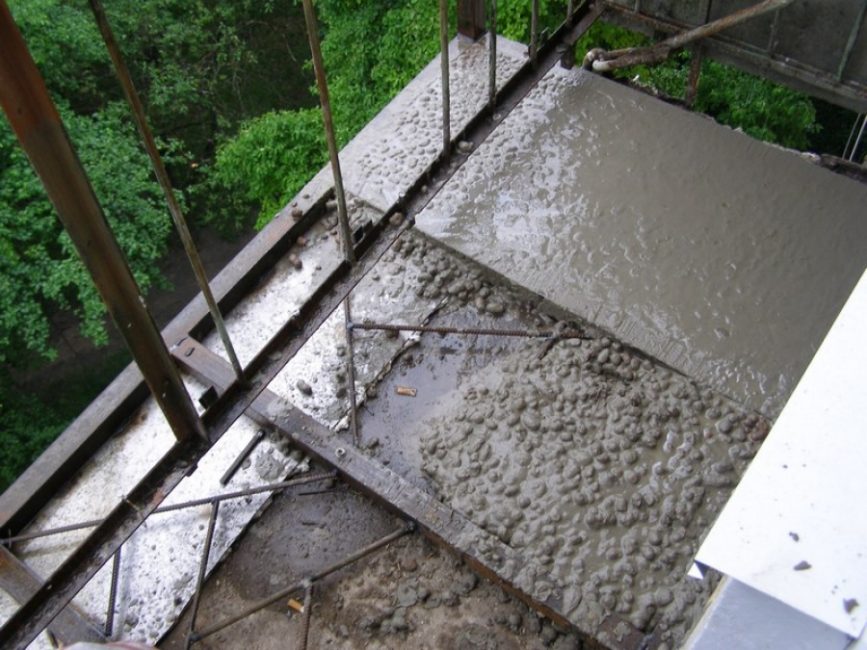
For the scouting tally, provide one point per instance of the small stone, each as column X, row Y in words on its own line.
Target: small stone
column 406, row 594
column 297, row 213
column 662, row 597
column 795, row 536
column 803, row 565
column 531, row 420
column 396, row 219
column 495, row 308
column 295, row 261
column 304, row 387
column 849, row 604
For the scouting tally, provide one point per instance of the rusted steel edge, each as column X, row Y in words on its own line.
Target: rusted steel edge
column 37, row 125
column 20, row 581
column 38, row 483
column 437, row 521
column 120, row 524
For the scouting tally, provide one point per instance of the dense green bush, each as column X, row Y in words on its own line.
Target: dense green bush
column 269, row 161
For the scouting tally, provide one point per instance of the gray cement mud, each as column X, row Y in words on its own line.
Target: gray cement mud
column 722, row 256
column 409, row 595
column 603, row 467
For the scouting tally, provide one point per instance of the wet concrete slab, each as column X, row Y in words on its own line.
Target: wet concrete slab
column 724, row 257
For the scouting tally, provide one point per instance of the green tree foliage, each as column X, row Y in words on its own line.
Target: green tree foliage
column 39, row 269
column 269, row 161
column 371, row 49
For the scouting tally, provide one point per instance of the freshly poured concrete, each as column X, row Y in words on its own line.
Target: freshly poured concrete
column 160, row 561
column 722, row 256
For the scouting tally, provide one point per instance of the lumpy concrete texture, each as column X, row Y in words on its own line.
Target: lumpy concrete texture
column 724, row 257
column 601, row 467
column 396, row 147
column 410, row 594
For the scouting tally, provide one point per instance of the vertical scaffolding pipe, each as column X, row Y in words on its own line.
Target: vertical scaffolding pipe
column 857, row 144
column 328, row 121
column 570, row 9
column 134, row 101
column 852, row 133
column 850, row 43
column 444, row 69
column 37, row 124
column 471, row 18
column 492, row 56
column 534, row 31
column 694, row 76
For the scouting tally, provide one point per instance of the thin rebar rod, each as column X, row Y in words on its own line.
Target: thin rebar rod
column 272, row 487
column 534, row 31
column 853, row 37
column 857, row 144
column 203, row 569
column 350, row 374
column 159, row 169
column 240, row 458
column 328, row 122
column 774, row 37
column 570, row 9
column 297, row 586
column 305, row 629
column 492, row 56
column 395, row 327
column 852, row 133
column 444, row 74
column 112, row 595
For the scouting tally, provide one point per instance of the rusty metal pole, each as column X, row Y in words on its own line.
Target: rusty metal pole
column 534, row 31
column 471, row 18
column 492, row 57
column 328, row 121
column 444, row 70
column 37, row 124
column 694, row 75
column 132, row 97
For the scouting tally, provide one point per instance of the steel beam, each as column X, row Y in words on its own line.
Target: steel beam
column 471, row 18
column 21, row 582
column 150, row 145
column 801, row 77
column 100, row 546
column 444, row 77
column 37, row 124
column 328, row 123
column 436, row 520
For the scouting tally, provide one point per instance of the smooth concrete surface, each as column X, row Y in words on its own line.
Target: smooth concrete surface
column 795, row 527
column 724, row 257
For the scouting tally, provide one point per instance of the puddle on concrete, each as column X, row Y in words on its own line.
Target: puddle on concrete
column 724, row 257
